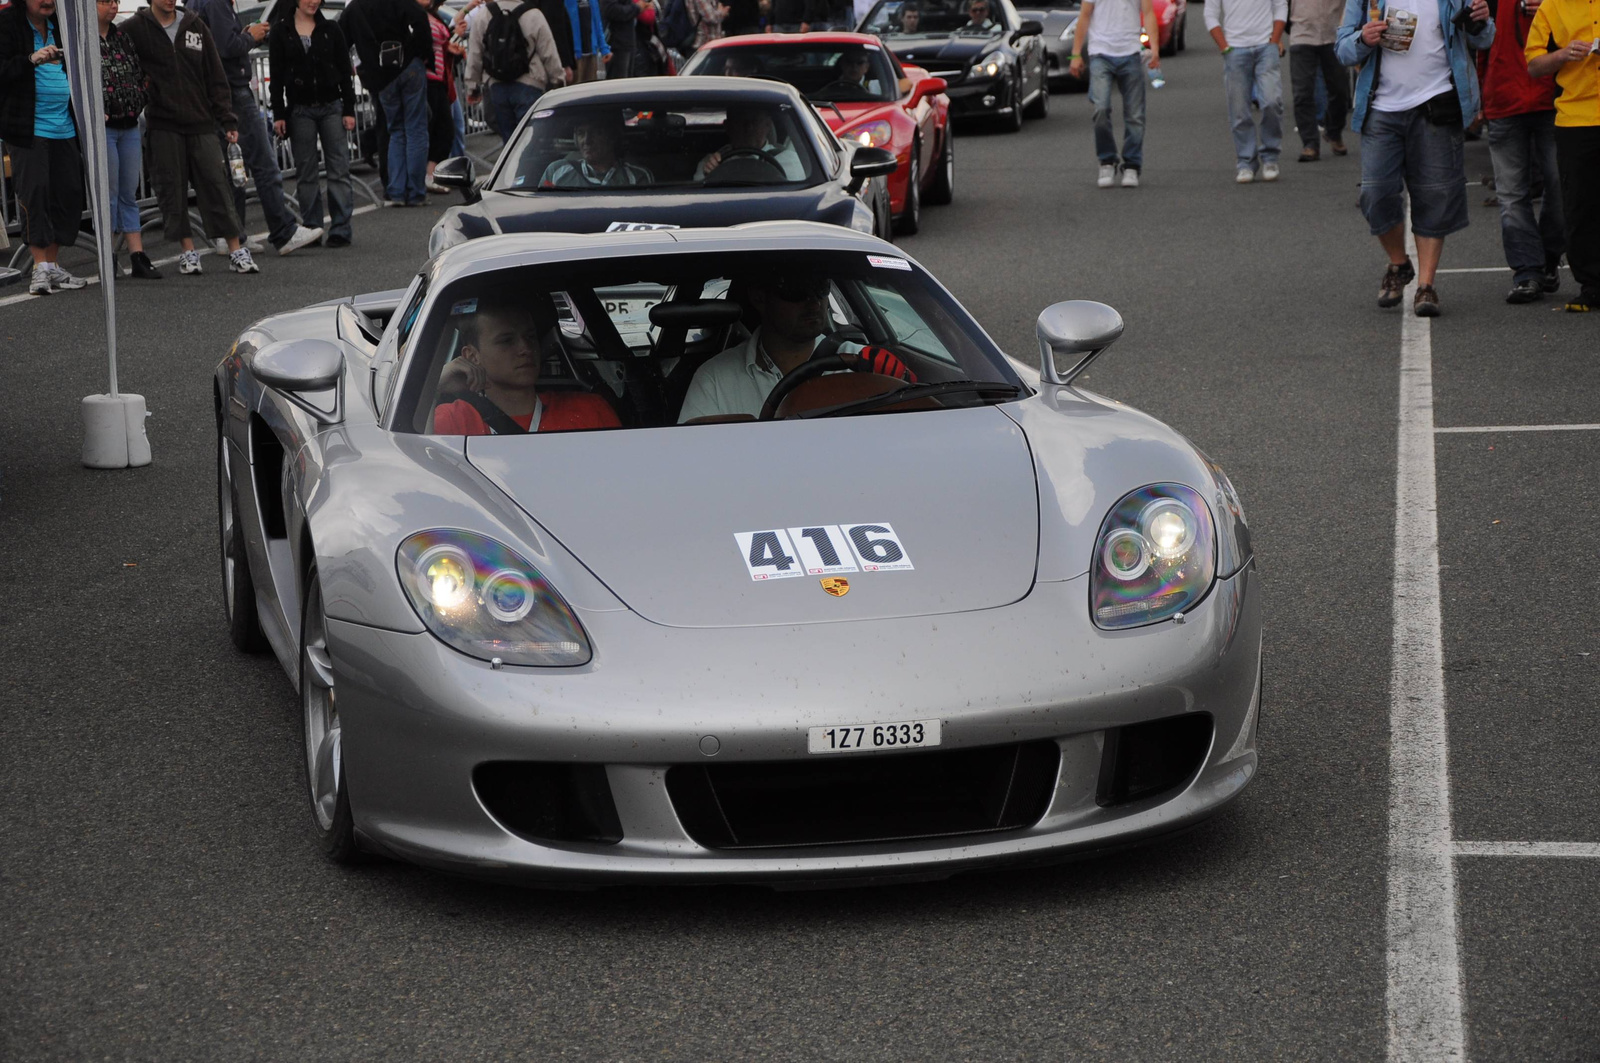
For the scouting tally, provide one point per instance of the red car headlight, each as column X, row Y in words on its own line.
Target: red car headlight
column 872, row 134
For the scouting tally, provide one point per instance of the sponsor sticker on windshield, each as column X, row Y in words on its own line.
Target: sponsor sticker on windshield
column 637, row 226
column 889, row 262
column 465, row 306
column 546, row 113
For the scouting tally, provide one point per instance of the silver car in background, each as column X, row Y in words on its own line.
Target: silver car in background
column 886, row 629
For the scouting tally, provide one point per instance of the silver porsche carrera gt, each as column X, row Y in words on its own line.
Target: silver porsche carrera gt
column 583, row 574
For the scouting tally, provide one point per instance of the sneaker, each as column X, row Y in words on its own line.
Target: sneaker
column 301, row 238
column 1585, row 302
column 437, row 189
column 1108, row 175
column 1393, row 287
column 1269, row 171
column 1244, row 176
column 143, row 267
column 40, row 282
column 241, row 262
column 1550, row 280
column 61, row 279
column 1527, row 290
column 189, row 263
column 336, row 241
column 1426, row 302
column 1130, row 178
column 394, row 202
column 250, row 243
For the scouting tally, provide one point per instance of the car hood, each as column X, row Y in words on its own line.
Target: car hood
column 580, row 212
column 654, row 513
column 942, row 52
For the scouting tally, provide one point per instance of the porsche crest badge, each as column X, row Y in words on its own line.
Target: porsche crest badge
column 837, row 586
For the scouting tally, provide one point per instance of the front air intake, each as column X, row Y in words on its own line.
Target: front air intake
column 549, row 802
column 1145, row 759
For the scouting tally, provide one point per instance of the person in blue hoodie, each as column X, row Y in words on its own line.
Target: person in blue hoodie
column 589, row 46
column 1416, row 84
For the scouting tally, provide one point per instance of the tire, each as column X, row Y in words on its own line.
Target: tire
column 1012, row 123
column 1040, row 107
column 943, row 189
column 910, row 219
column 238, row 591
column 322, row 739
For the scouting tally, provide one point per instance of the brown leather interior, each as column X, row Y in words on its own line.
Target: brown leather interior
column 720, row 418
column 835, row 389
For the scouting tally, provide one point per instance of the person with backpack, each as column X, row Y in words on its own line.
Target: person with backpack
column 678, row 26
column 514, row 52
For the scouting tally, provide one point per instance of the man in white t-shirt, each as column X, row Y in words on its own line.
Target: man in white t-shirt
column 1249, row 34
column 1107, row 43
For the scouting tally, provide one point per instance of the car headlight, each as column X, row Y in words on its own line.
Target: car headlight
column 482, row 598
column 1155, row 557
column 872, row 134
column 988, row 66
column 1072, row 28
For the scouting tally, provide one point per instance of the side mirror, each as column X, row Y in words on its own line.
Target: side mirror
column 456, row 173
column 1030, row 28
column 296, row 367
column 867, row 163
column 1073, row 334
column 928, row 86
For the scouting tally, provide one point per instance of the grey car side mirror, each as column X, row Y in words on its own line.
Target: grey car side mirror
column 298, row 367
column 457, row 173
column 1073, row 334
column 867, row 163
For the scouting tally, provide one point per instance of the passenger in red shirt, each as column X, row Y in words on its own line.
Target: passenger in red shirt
column 497, row 373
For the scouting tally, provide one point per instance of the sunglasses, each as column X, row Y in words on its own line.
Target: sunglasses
column 799, row 290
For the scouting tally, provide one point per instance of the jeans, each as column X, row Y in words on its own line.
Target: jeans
column 124, row 160
column 1254, row 69
column 1127, row 71
column 458, row 145
column 1516, row 145
column 1401, row 151
column 255, row 143
column 405, row 109
column 508, row 102
column 307, row 125
column 1578, row 152
column 1305, row 61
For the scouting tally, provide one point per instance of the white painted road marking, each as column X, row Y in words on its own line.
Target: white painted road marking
column 202, row 246
column 1424, row 967
column 1519, row 428
column 1578, row 850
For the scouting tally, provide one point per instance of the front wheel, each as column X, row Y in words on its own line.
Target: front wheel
column 910, row 219
column 1040, row 107
column 1012, row 123
column 323, row 735
column 943, row 189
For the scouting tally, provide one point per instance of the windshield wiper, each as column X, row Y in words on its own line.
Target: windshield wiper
column 914, row 391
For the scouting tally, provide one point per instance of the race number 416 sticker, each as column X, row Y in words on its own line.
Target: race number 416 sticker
column 822, row 550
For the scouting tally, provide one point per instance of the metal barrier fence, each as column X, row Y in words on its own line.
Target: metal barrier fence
column 363, row 146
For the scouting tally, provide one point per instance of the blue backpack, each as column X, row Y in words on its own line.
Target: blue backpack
column 677, row 27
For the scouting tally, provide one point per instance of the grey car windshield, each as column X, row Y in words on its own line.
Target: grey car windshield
column 825, row 72
column 934, row 18
column 680, row 146
column 652, row 341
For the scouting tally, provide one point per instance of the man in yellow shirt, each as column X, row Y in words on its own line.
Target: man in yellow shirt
column 1561, row 41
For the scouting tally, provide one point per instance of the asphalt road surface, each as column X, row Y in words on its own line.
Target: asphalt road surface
column 161, row 898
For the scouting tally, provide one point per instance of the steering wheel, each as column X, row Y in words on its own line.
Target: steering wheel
column 757, row 155
column 824, row 360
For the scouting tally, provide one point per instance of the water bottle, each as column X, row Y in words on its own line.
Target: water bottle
column 241, row 176
column 1157, row 78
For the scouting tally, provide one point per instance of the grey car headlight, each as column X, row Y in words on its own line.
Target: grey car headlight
column 1155, row 557
column 481, row 597
column 988, row 66
column 1072, row 28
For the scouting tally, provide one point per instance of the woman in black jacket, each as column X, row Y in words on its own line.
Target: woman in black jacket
column 313, row 99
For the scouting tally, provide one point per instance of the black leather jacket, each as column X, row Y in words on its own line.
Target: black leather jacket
column 301, row 78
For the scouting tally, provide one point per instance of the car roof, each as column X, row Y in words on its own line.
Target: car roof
column 700, row 89
column 758, row 40
column 491, row 253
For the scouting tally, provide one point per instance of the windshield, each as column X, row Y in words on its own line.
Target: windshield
column 657, row 340
column 826, row 73
column 934, row 18
column 610, row 148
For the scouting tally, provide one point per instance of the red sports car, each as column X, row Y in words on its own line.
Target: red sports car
column 863, row 92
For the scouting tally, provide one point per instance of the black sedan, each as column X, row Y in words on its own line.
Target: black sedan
column 667, row 153
column 993, row 61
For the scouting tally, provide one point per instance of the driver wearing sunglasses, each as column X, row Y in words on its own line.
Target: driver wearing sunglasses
column 793, row 308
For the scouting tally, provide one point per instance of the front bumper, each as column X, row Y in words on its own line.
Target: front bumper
column 418, row 718
column 980, row 99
